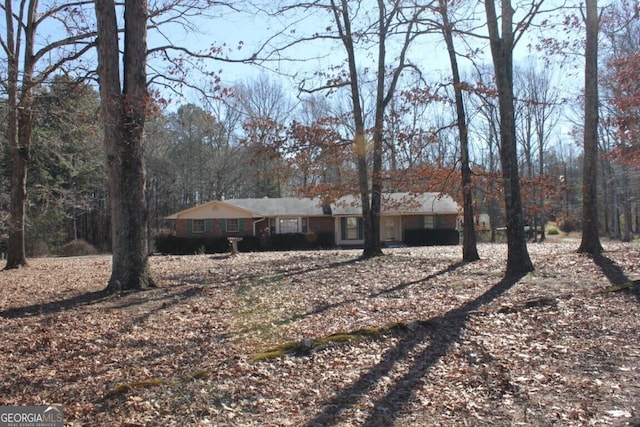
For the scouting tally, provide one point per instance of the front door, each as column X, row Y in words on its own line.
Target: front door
column 390, row 229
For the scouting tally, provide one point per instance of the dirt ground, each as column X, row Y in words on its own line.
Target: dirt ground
column 414, row 338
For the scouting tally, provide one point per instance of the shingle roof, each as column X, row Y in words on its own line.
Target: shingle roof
column 280, row 206
column 401, row 203
column 392, row 204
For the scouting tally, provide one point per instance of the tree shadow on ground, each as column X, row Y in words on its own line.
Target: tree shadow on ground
column 615, row 274
column 55, row 306
column 326, row 307
column 442, row 332
column 119, row 301
column 453, row 267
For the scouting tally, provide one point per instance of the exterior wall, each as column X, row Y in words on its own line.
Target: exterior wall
column 213, row 228
column 322, row 224
column 446, row 221
column 412, row 221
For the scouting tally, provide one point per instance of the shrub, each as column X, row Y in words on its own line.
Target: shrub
column 431, row 237
column 36, row 248
column 78, row 248
column 553, row 231
column 169, row 244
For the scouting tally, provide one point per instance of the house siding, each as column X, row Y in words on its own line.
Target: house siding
column 322, row 224
column 213, row 228
column 443, row 221
column 217, row 228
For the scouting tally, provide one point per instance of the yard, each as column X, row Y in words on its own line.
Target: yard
column 414, row 338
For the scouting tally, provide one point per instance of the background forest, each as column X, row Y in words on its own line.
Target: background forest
column 282, row 125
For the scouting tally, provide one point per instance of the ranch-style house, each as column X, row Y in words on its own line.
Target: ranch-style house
column 402, row 214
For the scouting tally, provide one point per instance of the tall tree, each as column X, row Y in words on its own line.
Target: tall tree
column 67, row 179
column 590, row 242
column 375, row 37
column 537, row 115
column 32, row 55
column 265, row 108
column 469, row 246
column 502, row 40
column 388, row 22
column 124, row 109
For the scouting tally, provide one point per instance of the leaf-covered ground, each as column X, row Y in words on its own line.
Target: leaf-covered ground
column 414, row 338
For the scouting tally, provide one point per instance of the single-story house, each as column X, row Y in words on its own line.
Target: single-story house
column 343, row 218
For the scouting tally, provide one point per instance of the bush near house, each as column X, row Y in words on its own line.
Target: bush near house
column 298, row 241
column 168, row 244
column 431, row 237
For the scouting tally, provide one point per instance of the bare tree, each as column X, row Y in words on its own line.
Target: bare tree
column 264, row 108
column 366, row 30
column 590, row 242
column 502, row 41
column 469, row 245
column 538, row 102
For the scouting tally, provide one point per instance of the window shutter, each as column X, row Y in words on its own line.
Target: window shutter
column 207, row 225
column 438, row 221
column 343, row 228
column 360, row 229
column 241, row 225
column 190, row 225
column 421, row 221
column 223, row 225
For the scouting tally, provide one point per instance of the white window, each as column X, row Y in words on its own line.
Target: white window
column 429, row 221
column 197, row 226
column 352, row 229
column 288, row 225
column 233, row 225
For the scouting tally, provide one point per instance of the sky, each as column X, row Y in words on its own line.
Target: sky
column 250, row 31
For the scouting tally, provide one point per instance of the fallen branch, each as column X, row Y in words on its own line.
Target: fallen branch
column 124, row 388
column 305, row 346
column 630, row 285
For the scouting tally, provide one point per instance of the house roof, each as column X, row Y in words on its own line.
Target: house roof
column 392, row 204
column 280, row 206
column 401, row 203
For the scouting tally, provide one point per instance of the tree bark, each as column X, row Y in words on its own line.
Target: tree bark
column 469, row 241
column 19, row 128
column 590, row 230
column 371, row 224
column 124, row 113
column 518, row 260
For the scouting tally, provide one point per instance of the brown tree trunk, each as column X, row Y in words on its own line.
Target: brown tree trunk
column 370, row 223
column 518, row 260
column 469, row 241
column 16, row 255
column 124, row 112
column 590, row 230
column 19, row 129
